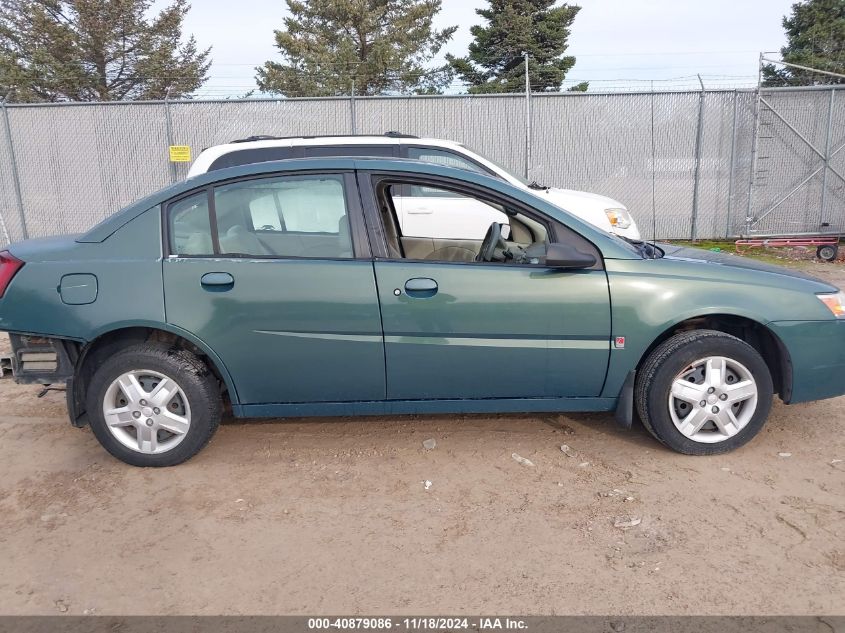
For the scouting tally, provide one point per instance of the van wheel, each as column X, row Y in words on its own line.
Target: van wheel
column 153, row 406
column 704, row 392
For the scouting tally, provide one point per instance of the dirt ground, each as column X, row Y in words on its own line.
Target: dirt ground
column 332, row 516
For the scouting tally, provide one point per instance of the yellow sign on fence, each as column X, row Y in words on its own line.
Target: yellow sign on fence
column 180, row 153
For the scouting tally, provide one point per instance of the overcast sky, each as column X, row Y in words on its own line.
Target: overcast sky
column 617, row 43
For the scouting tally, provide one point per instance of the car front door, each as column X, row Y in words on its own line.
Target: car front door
column 458, row 328
column 273, row 275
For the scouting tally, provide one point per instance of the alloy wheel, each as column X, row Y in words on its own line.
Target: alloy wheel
column 712, row 399
column 147, row 411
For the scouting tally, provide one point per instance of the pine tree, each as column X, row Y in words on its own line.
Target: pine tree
column 97, row 50
column 495, row 62
column 816, row 39
column 380, row 45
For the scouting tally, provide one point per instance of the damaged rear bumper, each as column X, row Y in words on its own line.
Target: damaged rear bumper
column 39, row 360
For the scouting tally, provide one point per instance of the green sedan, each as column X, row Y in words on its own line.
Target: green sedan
column 298, row 288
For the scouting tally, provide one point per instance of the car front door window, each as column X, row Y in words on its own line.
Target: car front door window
column 449, row 225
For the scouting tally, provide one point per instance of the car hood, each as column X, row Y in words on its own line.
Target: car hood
column 563, row 197
column 582, row 204
column 701, row 256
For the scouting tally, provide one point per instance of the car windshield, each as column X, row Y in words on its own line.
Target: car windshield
column 524, row 181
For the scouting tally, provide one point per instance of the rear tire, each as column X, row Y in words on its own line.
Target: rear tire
column 149, row 405
column 704, row 392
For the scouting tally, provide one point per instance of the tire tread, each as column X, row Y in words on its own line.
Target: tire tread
column 206, row 411
column 654, row 362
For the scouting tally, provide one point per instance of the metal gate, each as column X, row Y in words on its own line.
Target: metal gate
column 797, row 184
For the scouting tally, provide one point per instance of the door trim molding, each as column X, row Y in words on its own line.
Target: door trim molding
column 517, row 342
column 401, row 407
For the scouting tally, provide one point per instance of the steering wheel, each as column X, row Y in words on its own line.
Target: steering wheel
column 492, row 239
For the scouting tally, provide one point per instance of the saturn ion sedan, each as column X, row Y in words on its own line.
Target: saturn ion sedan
column 292, row 288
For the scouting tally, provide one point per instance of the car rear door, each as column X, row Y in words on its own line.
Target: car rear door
column 274, row 274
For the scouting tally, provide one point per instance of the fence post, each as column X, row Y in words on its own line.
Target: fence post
column 754, row 143
column 527, row 119
column 731, row 171
column 696, row 181
column 827, row 156
column 169, row 129
column 15, row 176
column 352, row 108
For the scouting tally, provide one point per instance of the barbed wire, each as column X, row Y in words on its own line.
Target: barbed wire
column 393, row 81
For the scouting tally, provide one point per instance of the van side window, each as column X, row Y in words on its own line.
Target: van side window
column 443, row 157
column 249, row 156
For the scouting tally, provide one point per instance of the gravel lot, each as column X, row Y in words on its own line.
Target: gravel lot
column 332, row 516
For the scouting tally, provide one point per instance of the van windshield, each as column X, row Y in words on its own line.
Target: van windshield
column 524, row 181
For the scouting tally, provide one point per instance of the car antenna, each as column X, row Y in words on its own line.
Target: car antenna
column 653, row 178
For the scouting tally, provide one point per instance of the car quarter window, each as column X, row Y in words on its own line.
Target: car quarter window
column 289, row 216
column 190, row 226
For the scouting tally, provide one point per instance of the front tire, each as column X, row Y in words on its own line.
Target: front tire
column 153, row 406
column 704, row 392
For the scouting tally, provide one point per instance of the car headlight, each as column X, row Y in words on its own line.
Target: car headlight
column 619, row 218
column 835, row 302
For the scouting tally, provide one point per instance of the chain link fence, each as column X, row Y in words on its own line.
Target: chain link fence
column 711, row 164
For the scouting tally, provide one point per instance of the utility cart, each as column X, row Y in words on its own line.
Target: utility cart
column 827, row 245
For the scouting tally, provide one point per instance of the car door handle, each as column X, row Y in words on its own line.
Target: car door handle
column 217, row 281
column 421, row 287
column 419, row 211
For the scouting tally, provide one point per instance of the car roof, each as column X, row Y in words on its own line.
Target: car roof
column 327, row 164
column 209, row 155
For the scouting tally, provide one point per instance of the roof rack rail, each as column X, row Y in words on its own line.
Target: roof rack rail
column 268, row 137
column 257, row 137
column 395, row 134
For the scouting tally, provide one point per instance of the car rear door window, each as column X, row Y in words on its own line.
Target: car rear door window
column 290, row 216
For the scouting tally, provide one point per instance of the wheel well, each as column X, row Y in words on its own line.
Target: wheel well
column 761, row 338
column 94, row 353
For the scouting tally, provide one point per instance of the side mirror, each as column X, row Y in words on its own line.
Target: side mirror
column 566, row 256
